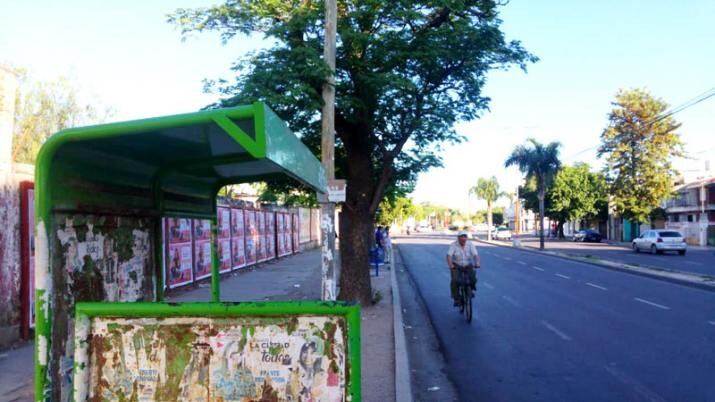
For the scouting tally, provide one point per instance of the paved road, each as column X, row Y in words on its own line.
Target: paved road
column 548, row 329
column 697, row 260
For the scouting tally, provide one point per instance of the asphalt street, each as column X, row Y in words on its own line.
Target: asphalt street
column 696, row 260
column 548, row 329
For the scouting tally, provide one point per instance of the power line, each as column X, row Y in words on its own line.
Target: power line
column 688, row 104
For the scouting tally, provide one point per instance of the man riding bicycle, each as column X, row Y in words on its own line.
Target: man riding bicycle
column 462, row 254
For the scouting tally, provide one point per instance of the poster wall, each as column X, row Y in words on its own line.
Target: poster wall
column 238, row 246
column 261, row 222
column 179, row 259
column 251, row 235
column 280, row 239
column 224, row 239
column 288, row 222
column 270, row 235
column 296, row 233
column 202, row 248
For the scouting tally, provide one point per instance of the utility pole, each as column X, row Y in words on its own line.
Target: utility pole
column 327, row 154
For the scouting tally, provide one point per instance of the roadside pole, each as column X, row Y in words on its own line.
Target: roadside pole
column 327, row 151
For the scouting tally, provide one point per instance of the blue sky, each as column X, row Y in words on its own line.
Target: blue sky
column 124, row 54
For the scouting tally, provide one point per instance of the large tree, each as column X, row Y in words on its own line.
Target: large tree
column 577, row 194
column 487, row 190
column 540, row 163
column 639, row 144
column 407, row 70
column 44, row 108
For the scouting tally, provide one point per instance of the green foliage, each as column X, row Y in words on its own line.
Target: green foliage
column 639, row 145
column 538, row 161
column 577, row 194
column 395, row 211
column 487, row 190
column 43, row 108
column 406, row 72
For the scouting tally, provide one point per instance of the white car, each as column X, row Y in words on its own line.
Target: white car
column 503, row 234
column 660, row 240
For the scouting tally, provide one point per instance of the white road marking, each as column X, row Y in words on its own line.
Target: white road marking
column 521, row 262
column 595, row 286
column 651, row 303
column 563, row 276
column 512, row 301
column 637, row 387
column 692, row 263
column 537, row 268
column 711, row 322
column 489, row 286
column 507, row 258
column 556, row 331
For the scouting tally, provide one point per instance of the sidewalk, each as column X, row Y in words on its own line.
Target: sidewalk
column 292, row 278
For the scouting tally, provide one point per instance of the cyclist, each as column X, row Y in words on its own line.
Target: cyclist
column 462, row 253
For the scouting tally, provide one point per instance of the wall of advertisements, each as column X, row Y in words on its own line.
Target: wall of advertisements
column 245, row 237
column 187, row 246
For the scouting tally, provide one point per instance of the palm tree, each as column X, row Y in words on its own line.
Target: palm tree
column 487, row 190
column 540, row 162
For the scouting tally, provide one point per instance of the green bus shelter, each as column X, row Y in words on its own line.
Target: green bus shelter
column 103, row 330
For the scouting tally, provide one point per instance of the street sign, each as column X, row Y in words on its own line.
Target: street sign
column 336, row 190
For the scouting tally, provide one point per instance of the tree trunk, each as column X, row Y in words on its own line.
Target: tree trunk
column 541, row 196
column 355, row 239
column 561, row 230
column 356, row 227
column 489, row 221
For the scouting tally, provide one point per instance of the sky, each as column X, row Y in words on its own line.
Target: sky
column 124, row 55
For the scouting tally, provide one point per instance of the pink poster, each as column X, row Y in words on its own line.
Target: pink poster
column 179, row 263
column 178, row 252
column 296, row 233
column 270, row 235
column 178, row 230
column 202, row 248
column 224, row 223
column 238, row 246
column 280, row 240
column 261, row 222
column 224, row 254
column 251, row 235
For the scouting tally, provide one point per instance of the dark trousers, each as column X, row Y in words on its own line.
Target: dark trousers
column 454, row 283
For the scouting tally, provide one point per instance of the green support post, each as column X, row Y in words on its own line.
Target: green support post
column 215, row 274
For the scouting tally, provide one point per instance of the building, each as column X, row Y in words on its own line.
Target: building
column 692, row 211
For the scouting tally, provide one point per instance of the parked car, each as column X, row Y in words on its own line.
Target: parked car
column 660, row 240
column 503, row 233
column 587, row 235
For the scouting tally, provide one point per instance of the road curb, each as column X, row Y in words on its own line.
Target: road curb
column 403, row 382
column 672, row 276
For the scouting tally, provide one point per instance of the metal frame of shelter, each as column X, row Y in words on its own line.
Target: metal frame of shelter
column 169, row 166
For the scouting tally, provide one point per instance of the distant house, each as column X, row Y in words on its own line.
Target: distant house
column 692, row 211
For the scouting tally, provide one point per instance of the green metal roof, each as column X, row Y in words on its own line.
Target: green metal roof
column 173, row 164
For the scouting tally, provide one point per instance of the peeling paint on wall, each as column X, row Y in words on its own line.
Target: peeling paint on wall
column 94, row 258
column 215, row 359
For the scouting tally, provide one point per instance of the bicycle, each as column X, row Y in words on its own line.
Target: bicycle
column 465, row 292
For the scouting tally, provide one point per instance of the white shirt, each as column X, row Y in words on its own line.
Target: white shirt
column 463, row 256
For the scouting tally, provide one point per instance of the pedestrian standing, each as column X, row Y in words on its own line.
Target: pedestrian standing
column 388, row 245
